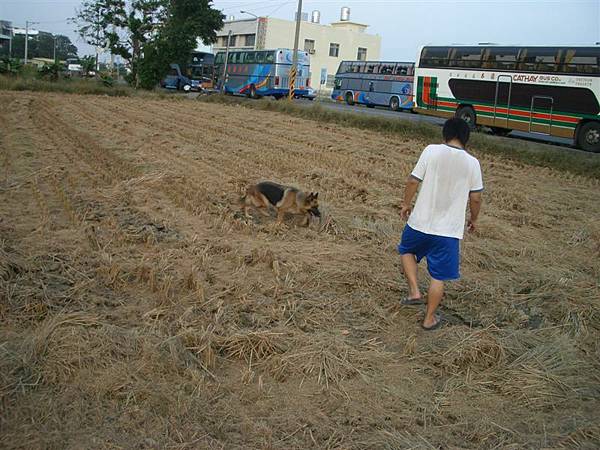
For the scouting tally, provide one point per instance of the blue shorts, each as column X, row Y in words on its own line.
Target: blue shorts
column 443, row 253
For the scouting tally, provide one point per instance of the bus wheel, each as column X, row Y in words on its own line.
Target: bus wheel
column 589, row 137
column 467, row 114
column 498, row 131
column 395, row 104
column 349, row 99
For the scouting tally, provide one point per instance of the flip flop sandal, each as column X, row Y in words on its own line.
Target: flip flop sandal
column 438, row 323
column 412, row 301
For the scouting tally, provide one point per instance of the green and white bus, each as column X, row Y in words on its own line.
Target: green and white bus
column 548, row 90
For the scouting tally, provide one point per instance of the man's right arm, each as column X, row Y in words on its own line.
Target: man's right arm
column 412, row 183
column 475, row 201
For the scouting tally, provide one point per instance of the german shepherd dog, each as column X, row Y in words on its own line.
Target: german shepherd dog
column 284, row 199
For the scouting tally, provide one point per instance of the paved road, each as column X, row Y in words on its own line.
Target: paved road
column 342, row 107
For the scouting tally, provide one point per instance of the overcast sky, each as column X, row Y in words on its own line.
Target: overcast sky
column 402, row 24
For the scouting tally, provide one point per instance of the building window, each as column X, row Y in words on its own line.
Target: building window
column 334, row 50
column 362, row 54
column 309, row 45
column 232, row 40
column 250, row 40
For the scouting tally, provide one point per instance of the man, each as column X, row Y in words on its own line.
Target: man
column 449, row 178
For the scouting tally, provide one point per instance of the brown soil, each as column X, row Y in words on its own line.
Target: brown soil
column 140, row 311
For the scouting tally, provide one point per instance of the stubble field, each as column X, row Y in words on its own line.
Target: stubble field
column 139, row 309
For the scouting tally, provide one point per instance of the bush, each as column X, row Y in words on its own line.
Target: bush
column 10, row 66
column 106, row 79
column 50, row 71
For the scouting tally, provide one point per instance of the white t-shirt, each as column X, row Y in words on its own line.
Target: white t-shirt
column 448, row 175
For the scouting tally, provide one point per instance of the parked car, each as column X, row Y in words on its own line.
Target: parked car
column 176, row 80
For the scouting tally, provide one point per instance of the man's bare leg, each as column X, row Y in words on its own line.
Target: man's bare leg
column 409, row 263
column 434, row 298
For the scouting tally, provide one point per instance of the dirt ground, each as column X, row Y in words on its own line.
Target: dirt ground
column 139, row 310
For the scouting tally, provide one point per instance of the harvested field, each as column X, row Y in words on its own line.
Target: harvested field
column 140, row 311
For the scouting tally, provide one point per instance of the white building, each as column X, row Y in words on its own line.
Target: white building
column 328, row 45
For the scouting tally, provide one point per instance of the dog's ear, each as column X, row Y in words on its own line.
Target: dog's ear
column 316, row 195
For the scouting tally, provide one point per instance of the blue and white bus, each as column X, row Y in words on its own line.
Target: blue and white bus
column 375, row 83
column 258, row 73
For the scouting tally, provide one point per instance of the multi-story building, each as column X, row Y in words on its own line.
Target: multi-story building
column 5, row 37
column 328, row 45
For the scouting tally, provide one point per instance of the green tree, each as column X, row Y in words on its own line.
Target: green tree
column 186, row 22
column 42, row 46
column 97, row 20
column 88, row 64
column 148, row 34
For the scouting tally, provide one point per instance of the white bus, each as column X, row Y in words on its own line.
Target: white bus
column 547, row 90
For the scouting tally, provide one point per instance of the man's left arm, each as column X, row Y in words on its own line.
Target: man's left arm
column 412, row 184
column 475, row 199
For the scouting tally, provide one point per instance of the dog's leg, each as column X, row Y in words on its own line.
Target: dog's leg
column 246, row 206
column 306, row 220
column 280, row 215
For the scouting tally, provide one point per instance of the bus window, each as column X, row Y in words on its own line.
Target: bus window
column 434, row 57
column 220, row 58
column 500, row 58
column 401, row 69
column 260, row 57
column 358, row 67
column 582, row 60
column 250, row 57
column 270, row 57
column 539, row 59
column 468, row 57
column 344, row 67
column 386, row 69
column 234, row 58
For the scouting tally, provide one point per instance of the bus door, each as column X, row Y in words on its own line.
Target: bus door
column 540, row 115
column 502, row 100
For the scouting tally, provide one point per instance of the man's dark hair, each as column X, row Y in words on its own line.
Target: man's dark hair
column 456, row 128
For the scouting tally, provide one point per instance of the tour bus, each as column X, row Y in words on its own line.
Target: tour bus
column 375, row 83
column 197, row 75
column 200, row 70
column 548, row 90
column 258, row 73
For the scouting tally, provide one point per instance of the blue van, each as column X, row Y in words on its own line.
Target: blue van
column 176, row 80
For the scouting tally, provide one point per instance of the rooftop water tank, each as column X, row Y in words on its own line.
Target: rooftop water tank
column 345, row 14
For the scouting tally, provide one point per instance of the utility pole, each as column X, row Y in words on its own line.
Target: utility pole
column 10, row 43
column 257, row 23
column 294, row 69
column 224, row 79
column 26, row 39
column 27, row 23
column 54, row 53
